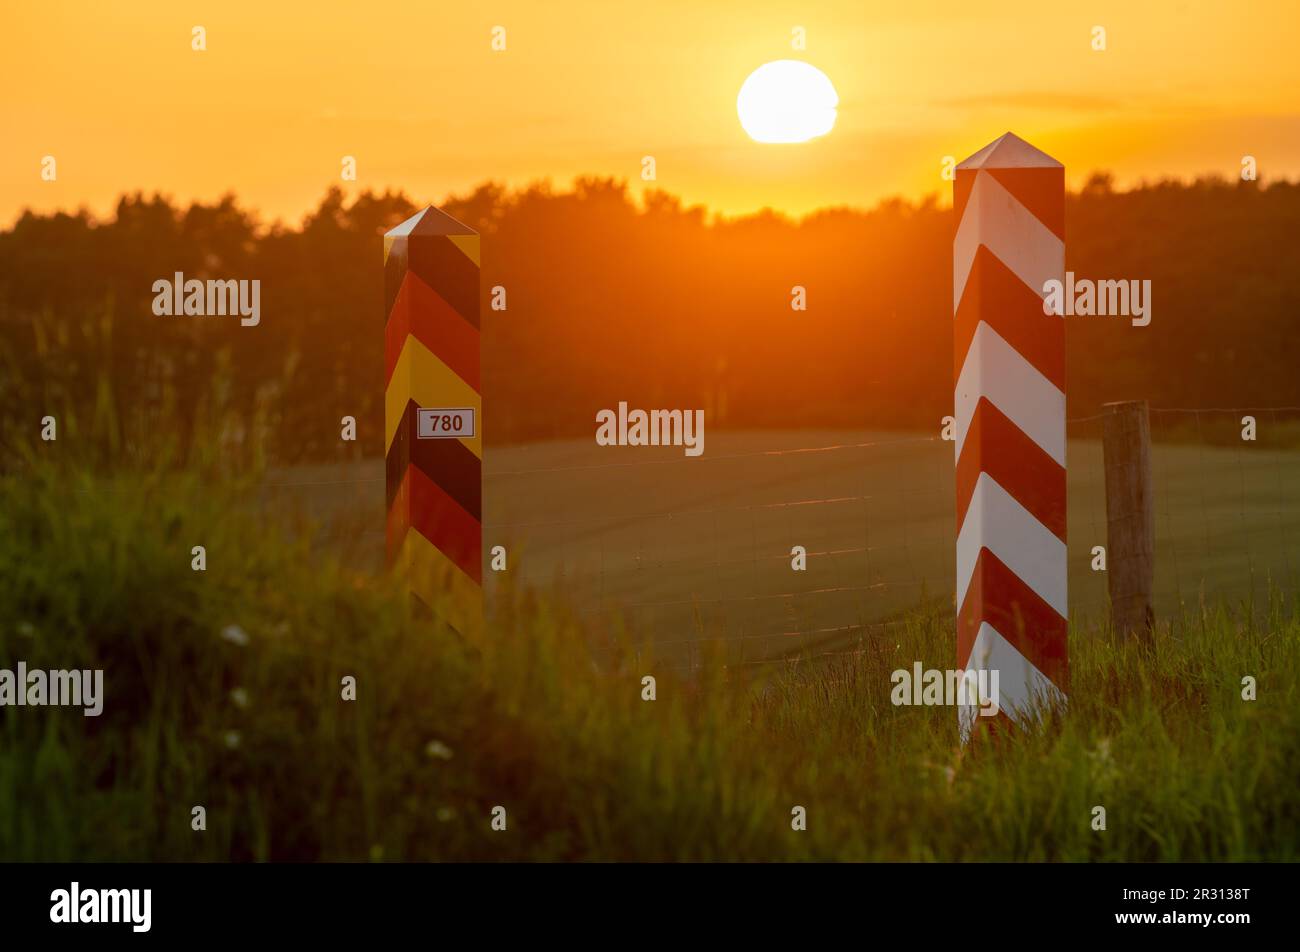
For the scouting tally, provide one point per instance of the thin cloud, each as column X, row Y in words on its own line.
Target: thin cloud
column 1073, row 102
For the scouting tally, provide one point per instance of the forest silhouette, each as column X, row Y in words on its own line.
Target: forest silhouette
column 612, row 298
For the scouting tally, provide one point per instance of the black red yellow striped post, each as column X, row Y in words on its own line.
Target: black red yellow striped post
column 433, row 409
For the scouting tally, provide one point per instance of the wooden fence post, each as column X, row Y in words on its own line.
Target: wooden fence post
column 1130, row 518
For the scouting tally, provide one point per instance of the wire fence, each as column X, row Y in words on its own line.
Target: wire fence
column 695, row 551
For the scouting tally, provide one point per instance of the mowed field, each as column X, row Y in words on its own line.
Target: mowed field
column 683, row 551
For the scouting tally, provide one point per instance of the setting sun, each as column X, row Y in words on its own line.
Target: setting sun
column 787, row 101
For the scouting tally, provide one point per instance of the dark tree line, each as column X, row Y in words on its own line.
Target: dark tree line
column 610, row 299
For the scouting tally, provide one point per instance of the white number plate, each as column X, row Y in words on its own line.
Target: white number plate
column 441, row 424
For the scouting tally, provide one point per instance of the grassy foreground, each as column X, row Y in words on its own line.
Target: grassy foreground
column 223, row 689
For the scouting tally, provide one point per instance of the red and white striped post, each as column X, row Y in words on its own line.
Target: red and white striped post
column 1009, row 368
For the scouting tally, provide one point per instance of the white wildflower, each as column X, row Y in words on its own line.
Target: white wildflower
column 437, row 749
column 235, row 635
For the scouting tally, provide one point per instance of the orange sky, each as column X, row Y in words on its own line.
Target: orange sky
column 414, row 91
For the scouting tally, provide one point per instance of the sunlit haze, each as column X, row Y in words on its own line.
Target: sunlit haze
column 416, row 93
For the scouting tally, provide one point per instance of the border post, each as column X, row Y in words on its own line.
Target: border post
column 1009, row 404
column 433, row 409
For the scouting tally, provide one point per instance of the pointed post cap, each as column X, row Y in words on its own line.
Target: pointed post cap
column 429, row 222
column 1009, row 151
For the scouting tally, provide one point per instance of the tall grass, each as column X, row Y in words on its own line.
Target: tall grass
column 223, row 690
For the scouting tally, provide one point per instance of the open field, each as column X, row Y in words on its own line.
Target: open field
column 691, row 549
